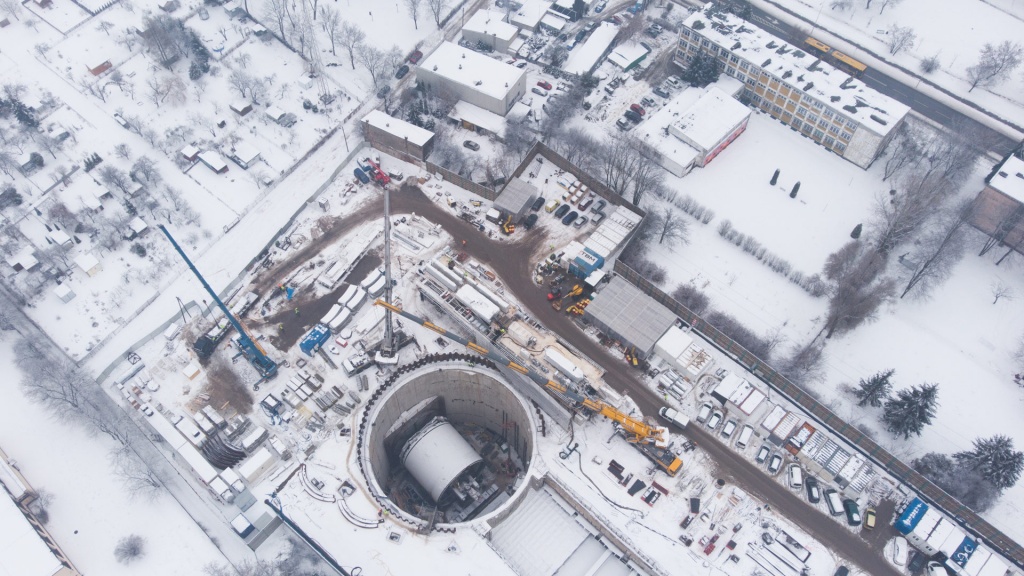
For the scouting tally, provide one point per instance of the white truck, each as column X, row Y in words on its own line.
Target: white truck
column 674, row 416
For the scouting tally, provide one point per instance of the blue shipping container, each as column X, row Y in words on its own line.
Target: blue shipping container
column 315, row 339
column 911, row 515
column 964, row 552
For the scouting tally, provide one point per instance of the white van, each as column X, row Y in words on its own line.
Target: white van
column 744, row 438
column 674, row 417
column 796, row 476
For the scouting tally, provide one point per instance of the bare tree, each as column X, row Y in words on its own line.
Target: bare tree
column 841, row 5
column 331, row 22
column 413, row 7
column 576, row 145
column 900, row 38
column 668, row 225
column 904, row 150
column 804, row 363
column 376, row 62
column 940, row 250
column 277, row 11
column 437, row 9
column 145, row 169
column 352, row 40
column 113, row 176
column 122, row 151
column 139, row 479
column 167, row 37
column 1001, row 291
column 995, row 63
column 130, row 548
column 61, row 214
column 10, row 7
column 58, row 384
column 1009, row 221
column 855, row 292
column 886, row 3
column 900, row 213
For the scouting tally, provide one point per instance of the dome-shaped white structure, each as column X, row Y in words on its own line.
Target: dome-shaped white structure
column 437, row 455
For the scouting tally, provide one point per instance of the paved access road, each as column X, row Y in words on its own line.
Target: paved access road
column 517, row 275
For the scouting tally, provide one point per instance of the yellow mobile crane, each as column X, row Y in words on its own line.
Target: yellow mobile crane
column 650, row 440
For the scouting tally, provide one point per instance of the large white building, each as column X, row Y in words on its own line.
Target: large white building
column 711, row 124
column 820, row 101
column 473, row 77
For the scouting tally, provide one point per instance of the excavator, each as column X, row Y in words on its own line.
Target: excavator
column 576, row 291
column 650, row 440
column 508, row 227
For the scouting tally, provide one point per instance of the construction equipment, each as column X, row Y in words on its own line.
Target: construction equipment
column 508, row 227
column 378, row 175
column 650, row 440
column 576, row 291
column 257, row 357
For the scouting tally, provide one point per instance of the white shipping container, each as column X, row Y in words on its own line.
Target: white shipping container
column 331, row 314
column 357, row 300
column 563, row 364
column 340, row 320
column 347, row 295
column 441, row 278
column 377, row 287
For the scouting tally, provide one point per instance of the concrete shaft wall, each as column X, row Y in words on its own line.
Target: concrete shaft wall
column 471, row 396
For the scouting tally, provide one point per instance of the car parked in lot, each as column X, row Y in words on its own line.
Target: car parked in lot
column 633, row 116
column 728, row 429
column 538, row 204
column 762, row 454
column 648, row 102
column 402, row 71
column 623, row 123
column 600, row 7
column 813, row 490
column 471, row 145
column 530, row 221
column 544, row 84
column 580, row 222
column 415, row 57
column 852, row 512
column 869, row 519
column 659, row 91
column 562, row 210
column 539, row 91
column 704, row 412
column 715, row 420
column 550, row 207
column 638, row 109
column 570, row 217
column 599, row 206
column 796, row 477
column 775, row 464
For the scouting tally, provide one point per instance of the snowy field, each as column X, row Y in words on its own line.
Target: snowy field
column 955, row 32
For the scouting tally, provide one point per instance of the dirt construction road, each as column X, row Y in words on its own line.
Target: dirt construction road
column 516, row 272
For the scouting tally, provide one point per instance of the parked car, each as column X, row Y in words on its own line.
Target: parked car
column 570, row 217
column 648, row 102
column 415, row 57
column 539, row 91
column 704, row 412
column 728, row 429
column 600, row 7
column 550, row 207
column 530, row 221
column 538, row 204
column 659, row 91
column 521, row 64
column 562, row 210
column 384, row 91
column 917, row 560
column 638, row 109
column 674, row 81
column 633, row 116
column 361, row 175
column 796, row 477
column 544, row 84
column 402, row 71
column 599, row 206
column 842, row 571
column 471, row 145
column 853, row 513
column 762, row 454
column 774, row 464
column 623, row 123
column 580, row 222
column 813, row 491
column 204, row 14
column 715, row 420
column 869, row 519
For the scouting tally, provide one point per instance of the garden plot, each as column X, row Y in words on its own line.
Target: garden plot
column 63, row 16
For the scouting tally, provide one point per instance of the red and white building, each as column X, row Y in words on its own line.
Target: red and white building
column 711, row 124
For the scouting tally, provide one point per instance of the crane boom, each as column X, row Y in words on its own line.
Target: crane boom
column 264, row 365
column 649, row 439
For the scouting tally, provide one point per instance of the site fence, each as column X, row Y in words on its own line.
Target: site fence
column 461, row 182
column 928, row 491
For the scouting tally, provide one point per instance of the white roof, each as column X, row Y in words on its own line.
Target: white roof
column 10, row 479
column 260, row 459
column 26, row 257
column 213, row 159
column 246, row 152
column 63, row 292
column 477, row 116
column 60, row 237
column 782, row 59
column 530, row 14
column 398, row 128
column 199, row 465
column 87, row 261
column 711, row 119
column 491, row 23
column 189, row 151
column 473, row 70
column 1012, row 184
column 584, row 57
column 554, row 21
column 22, row 552
column 673, row 343
column 274, row 113
column 626, row 53
column 137, row 225
column 477, row 302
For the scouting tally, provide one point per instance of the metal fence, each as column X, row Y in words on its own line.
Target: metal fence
column 966, row 517
column 466, row 183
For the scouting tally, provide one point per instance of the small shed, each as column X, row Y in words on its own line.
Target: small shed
column 305, row 81
column 241, row 107
column 137, row 226
column 23, row 259
column 274, row 113
column 99, row 66
column 64, row 292
column 190, row 371
column 516, row 198
column 89, row 264
column 190, row 153
column 135, row 188
column 245, row 155
column 213, row 161
column 60, row 238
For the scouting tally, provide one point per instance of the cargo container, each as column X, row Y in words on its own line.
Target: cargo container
column 911, row 516
column 563, row 364
column 315, row 339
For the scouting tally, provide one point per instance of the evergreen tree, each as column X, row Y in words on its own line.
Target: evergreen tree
column 875, row 390
column 911, row 410
column 856, row 231
column 995, row 459
column 775, row 177
column 703, row 70
column 796, row 188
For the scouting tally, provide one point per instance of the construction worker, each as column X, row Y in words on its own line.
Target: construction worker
column 296, row 311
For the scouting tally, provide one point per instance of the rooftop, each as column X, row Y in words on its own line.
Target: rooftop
column 516, row 193
column 626, row 54
column 398, row 127
column 712, row 118
column 583, row 58
column 22, row 551
column 530, row 14
column 634, row 316
column 1009, row 179
column 473, row 70
column 491, row 23
column 477, row 116
column 875, row 111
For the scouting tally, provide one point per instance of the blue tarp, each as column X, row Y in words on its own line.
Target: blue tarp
column 911, row 515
